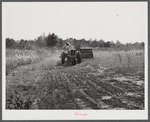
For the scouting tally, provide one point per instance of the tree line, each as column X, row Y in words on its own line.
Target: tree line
column 53, row 41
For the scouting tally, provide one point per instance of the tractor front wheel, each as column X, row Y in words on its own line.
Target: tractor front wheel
column 73, row 61
column 63, row 58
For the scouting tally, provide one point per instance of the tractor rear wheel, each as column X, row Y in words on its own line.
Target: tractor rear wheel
column 79, row 59
column 63, row 58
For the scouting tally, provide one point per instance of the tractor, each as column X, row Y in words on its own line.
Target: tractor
column 72, row 56
column 75, row 56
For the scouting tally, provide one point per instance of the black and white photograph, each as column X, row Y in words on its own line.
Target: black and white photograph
column 74, row 60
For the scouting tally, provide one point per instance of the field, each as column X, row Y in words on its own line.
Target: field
column 113, row 80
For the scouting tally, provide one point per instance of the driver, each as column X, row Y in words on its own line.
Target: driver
column 68, row 46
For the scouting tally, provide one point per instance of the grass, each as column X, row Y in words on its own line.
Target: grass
column 122, row 62
column 16, row 58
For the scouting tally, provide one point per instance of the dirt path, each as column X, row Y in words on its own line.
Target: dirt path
column 53, row 86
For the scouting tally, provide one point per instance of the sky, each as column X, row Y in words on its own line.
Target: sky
column 110, row 21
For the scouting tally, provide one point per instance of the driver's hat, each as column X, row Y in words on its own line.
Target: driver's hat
column 67, row 43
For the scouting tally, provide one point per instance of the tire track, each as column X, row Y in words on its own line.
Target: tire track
column 84, row 97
